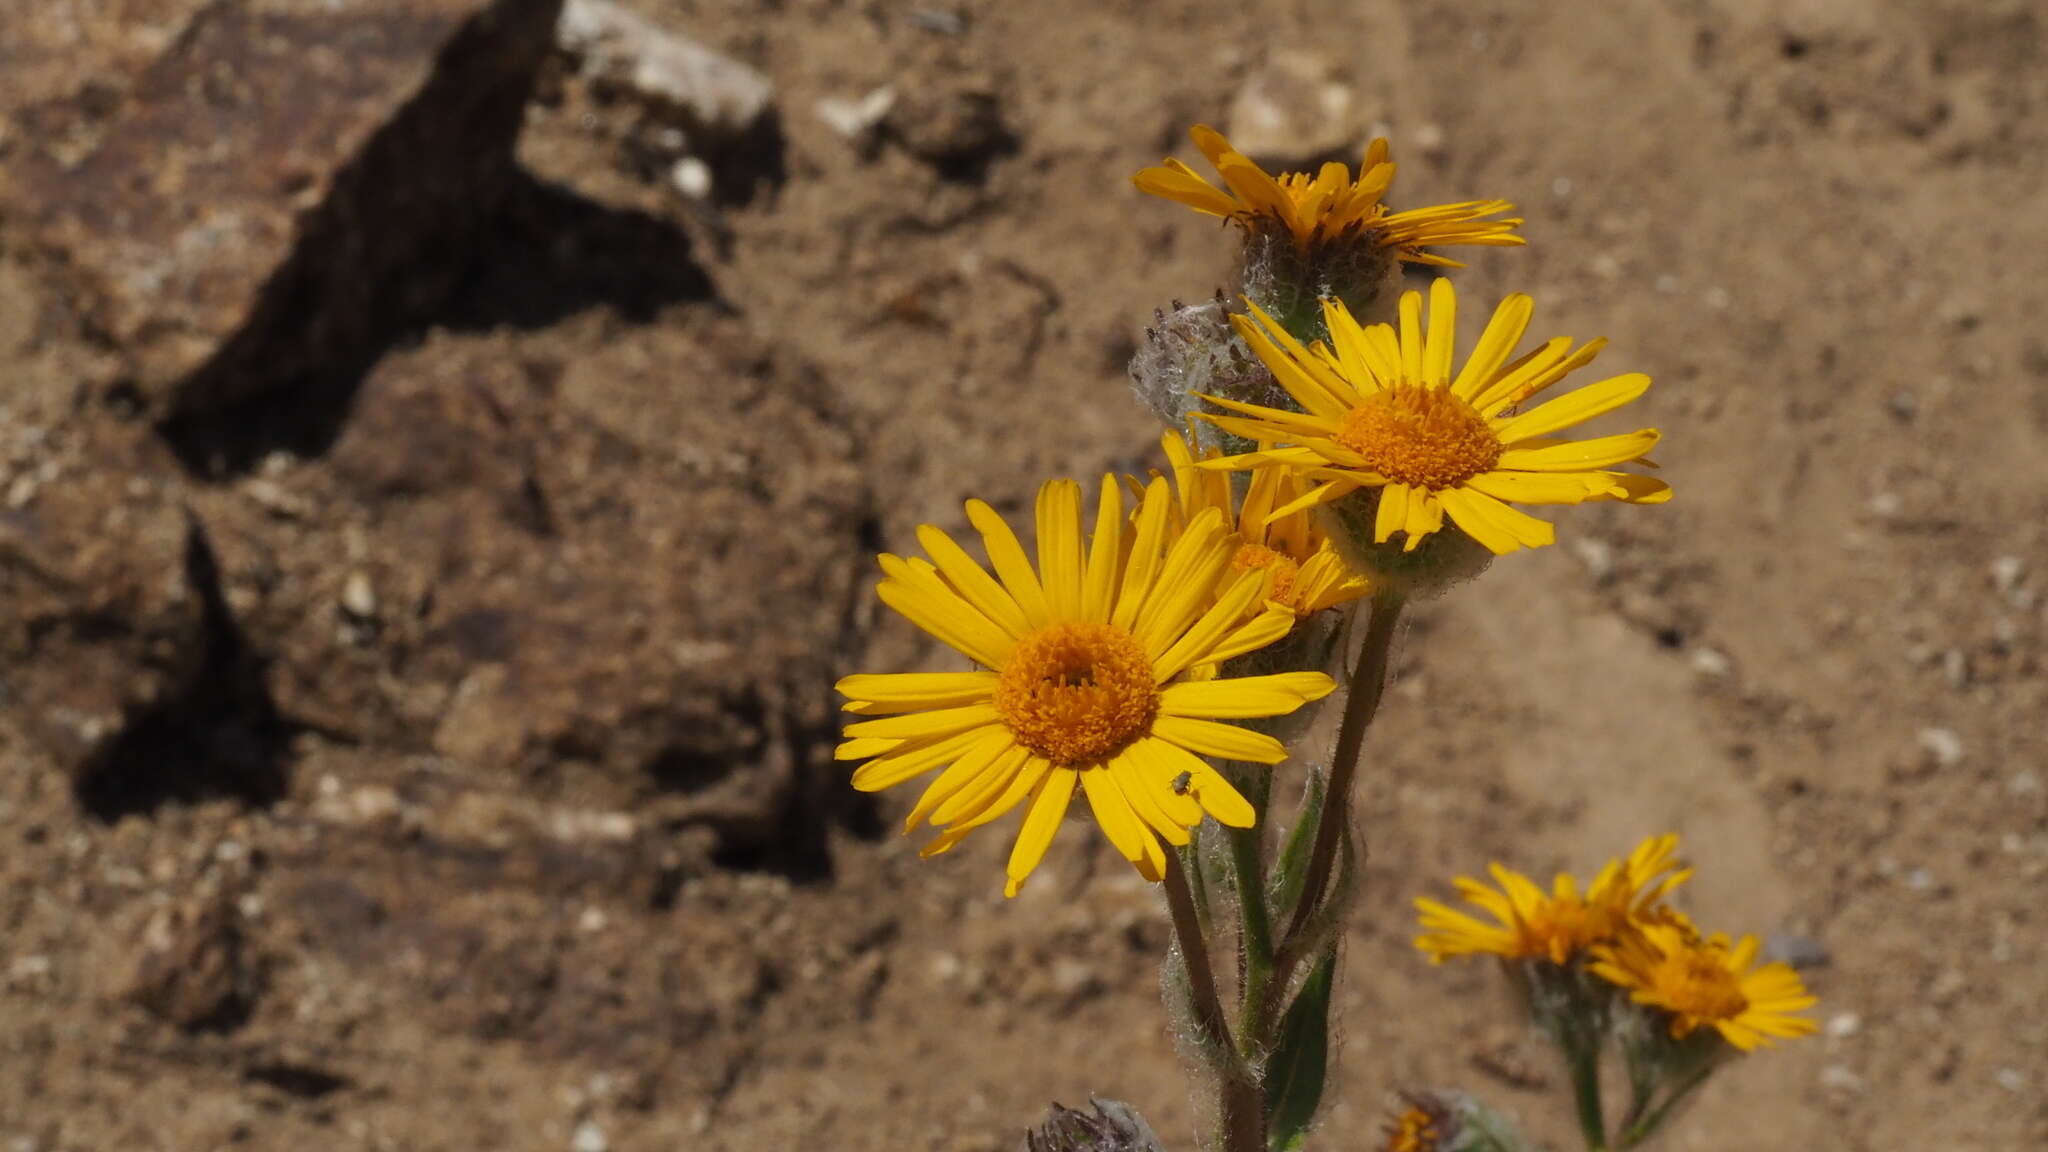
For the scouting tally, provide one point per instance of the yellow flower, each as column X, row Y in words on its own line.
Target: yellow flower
column 1414, row 1130
column 1328, row 207
column 1382, row 411
column 1305, row 571
column 1082, row 678
column 1708, row 983
column 1563, row 924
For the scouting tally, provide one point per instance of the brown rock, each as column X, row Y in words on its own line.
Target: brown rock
column 612, row 584
column 288, row 179
column 102, row 610
column 189, row 964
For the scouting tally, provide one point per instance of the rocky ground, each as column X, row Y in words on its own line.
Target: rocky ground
column 441, row 452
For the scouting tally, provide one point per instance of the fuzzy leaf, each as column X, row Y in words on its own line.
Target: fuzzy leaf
column 1301, row 1059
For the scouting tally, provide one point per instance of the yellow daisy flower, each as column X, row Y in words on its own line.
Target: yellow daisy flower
column 1082, row 680
column 1414, row 1130
column 1382, row 410
column 1528, row 924
column 1708, row 984
column 1305, row 571
column 1328, row 207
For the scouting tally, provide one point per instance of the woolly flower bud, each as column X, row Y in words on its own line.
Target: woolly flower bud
column 1113, row 1127
column 1290, row 283
column 1193, row 350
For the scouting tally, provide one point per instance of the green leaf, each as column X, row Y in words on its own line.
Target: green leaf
column 1294, row 1079
column 1294, row 854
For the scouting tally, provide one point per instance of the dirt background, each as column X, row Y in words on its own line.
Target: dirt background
column 464, row 788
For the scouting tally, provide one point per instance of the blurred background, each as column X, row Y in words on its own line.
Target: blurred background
column 443, row 444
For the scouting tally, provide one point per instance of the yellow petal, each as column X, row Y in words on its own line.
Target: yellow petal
column 1105, row 554
column 936, row 609
column 1048, row 808
column 916, row 759
column 1211, row 627
column 916, row 691
column 1113, row 812
column 1579, row 455
column 1244, row 697
column 923, row 725
column 972, row 581
column 1059, row 547
column 1496, row 526
column 1141, row 568
column 1145, row 800
column 1575, row 407
column 1011, row 566
column 1223, row 740
column 1392, row 514
column 1443, row 328
column 963, row 772
column 1496, row 344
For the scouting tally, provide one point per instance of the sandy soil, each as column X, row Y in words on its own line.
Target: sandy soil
column 1817, row 225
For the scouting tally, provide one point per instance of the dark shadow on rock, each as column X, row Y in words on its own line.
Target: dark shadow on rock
column 220, row 738
column 547, row 255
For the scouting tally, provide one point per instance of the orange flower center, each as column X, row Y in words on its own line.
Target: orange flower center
column 1566, row 925
column 1077, row 694
column 1420, row 435
column 1252, row 557
column 1698, row 988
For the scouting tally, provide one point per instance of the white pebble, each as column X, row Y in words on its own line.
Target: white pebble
column 1843, row 1025
column 692, row 177
column 1838, row 1076
column 2011, row 1079
column 1711, row 663
column 1942, row 745
column 2025, row 782
column 589, row 1138
column 2006, row 572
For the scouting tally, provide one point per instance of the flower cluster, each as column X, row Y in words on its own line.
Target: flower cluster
column 1618, row 961
column 1624, row 932
column 1329, row 448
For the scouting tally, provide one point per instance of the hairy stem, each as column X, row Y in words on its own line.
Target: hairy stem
column 1244, row 1112
column 1247, row 862
column 1368, row 684
column 1583, row 1054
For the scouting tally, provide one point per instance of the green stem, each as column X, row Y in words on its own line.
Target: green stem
column 1583, row 1053
column 1247, row 862
column 1647, row 1127
column 1243, row 1106
column 1368, row 685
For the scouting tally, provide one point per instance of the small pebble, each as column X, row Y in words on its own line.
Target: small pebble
column 1904, row 404
column 589, row 1138
column 691, row 177
column 1942, row 746
column 1920, row 880
column 1711, row 663
column 2011, row 1079
column 1561, row 187
column 1843, row 1025
column 2006, row 572
column 1839, row 1077
column 359, row 596
column 1798, row 951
